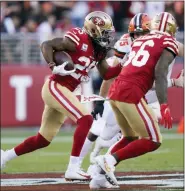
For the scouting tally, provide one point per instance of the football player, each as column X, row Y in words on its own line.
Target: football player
column 87, row 47
column 127, row 94
column 106, row 127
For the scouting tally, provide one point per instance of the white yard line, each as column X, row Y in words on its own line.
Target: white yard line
column 177, row 181
column 68, row 139
column 15, row 140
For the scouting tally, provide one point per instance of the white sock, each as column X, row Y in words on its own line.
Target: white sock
column 98, row 146
column 10, row 154
column 74, row 161
column 86, row 148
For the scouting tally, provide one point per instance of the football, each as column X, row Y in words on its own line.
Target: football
column 60, row 57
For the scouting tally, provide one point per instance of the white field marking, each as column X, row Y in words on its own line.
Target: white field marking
column 48, row 154
column 170, row 183
column 159, row 151
column 153, row 175
column 69, row 139
column 14, row 140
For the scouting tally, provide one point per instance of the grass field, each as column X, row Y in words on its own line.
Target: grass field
column 54, row 158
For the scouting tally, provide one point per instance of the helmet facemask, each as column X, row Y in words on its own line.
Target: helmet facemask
column 105, row 39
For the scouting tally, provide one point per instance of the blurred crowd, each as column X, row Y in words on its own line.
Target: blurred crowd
column 59, row 16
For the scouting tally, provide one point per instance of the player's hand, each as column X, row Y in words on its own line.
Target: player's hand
column 60, row 70
column 179, row 80
column 166, row 118
column 98, row 109
column 51, row 65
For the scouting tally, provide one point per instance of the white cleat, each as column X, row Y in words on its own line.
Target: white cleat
column 93, row 170
column 76, row 174
column 108, row 168
column 99, row 181
column 3, row 161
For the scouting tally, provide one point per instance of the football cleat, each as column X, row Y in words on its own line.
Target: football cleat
column 3, row 159
column 93, row 170
column 108, row 168
column 76, row 174
column 99, row 181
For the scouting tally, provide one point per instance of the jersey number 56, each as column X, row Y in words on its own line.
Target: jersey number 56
column 134, row 56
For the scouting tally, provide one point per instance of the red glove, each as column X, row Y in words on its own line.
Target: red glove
column 166, row 119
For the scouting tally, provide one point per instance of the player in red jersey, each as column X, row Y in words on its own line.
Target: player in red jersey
column 149, row 59
column 87, row 48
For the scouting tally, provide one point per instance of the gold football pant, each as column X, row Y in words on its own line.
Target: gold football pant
column 59, row 102
column 137, row 120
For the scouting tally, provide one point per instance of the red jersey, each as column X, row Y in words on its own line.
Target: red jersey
column 82, row 58
column 137, row 74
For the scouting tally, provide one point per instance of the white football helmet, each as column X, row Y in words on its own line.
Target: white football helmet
column 164, row 22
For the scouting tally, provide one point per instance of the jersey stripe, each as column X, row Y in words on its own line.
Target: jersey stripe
column 171, row 46
column 172, row 50
column 171, row 40
column 75, row 41
column 73, row 35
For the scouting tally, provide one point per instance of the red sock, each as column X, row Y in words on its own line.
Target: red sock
column 84, row 124
column 122, row 143
column 136, row 148
column 31, row 144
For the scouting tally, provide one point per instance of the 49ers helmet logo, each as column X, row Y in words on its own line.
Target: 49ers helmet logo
column 98, row 21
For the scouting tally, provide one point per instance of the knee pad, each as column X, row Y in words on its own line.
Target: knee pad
column 109, row 131
column 97, row 126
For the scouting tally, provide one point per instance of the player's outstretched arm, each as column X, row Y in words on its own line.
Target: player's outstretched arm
column 58, row 44
column 161, row 71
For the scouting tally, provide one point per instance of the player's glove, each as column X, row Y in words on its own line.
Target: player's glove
column 179, row 80
column 60, row 70
column 166, row 118
column 98, row 109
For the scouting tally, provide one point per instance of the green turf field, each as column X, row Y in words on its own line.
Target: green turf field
column 55, row 157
